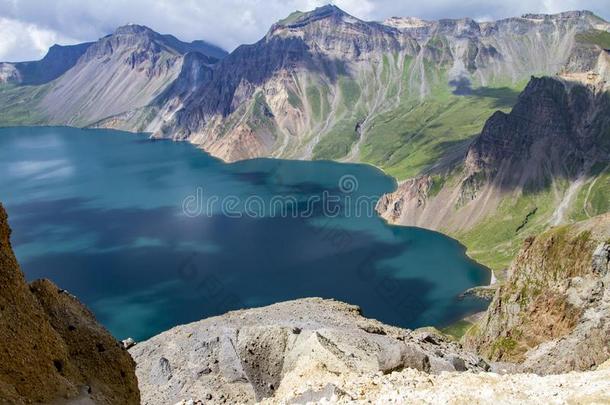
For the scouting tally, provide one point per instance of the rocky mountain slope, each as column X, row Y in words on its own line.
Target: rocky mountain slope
column 55, row 63
column 398, row 94
column 120, row 73
column 53, row 350
column 544, row 163
column 552, row 314
column 245, row 356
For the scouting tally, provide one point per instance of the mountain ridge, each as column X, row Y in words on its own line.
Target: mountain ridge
column 406, row 95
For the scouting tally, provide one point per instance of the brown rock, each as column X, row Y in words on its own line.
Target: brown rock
column 51, row 346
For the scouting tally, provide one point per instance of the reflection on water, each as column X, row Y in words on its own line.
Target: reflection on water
column 113, row 232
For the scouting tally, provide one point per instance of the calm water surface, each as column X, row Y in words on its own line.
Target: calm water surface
column 101, row 214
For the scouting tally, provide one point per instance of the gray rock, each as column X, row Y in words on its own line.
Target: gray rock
column 242, row 356
column 128, row 343
column 162, row 372
column 600, row 261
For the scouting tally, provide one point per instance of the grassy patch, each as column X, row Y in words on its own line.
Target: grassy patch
column 292, row 18
column 338, row 142
column 294, row 100
column 458, row 329
column 315, row 102
column 417, row 133
column 438, row 182
column 593, row 197
column 503, row 345
column 595, row 37
column 261, row 117
column 18, row 105
column 350, row 91
column 496, row 240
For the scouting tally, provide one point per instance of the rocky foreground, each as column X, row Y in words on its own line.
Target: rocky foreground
column 248, row 355
column 415, row 387
column 314, row 350
column 552, row 315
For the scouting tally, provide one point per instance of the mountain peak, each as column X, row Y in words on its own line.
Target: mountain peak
column 299, row 18
column 170, row 42
column 133, row 29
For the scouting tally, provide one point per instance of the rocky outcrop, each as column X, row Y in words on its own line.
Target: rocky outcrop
column 552, row 313
column 248, row 355
column 415, row 387
column 53, row 349
column 555, row 135
column 557, row 129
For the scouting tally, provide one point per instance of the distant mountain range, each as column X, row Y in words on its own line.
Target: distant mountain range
column 417, row 98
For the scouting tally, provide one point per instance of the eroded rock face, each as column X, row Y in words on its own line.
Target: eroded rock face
column 553, row 312
column 52, row 348
column 118, row 76
column 557, row 130
column 326, row 61
column 244, row 356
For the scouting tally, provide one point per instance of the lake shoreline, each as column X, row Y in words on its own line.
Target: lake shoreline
column 365, row 253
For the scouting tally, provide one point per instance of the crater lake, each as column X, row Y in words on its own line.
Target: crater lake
column 152, row 233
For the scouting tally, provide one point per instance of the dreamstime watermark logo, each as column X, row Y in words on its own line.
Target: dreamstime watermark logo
column 348, row 184
column 344, row 201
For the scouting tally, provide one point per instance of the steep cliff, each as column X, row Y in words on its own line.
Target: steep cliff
column 552, row 313
column 542, row 164
column 399, row 94
column 52, row 348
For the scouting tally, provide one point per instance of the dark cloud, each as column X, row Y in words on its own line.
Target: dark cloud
column 227, row 23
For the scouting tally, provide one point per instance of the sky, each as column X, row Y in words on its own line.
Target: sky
column 29, row 27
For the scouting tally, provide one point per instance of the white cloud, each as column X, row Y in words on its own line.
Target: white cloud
column 26, row 41
column 227, row 23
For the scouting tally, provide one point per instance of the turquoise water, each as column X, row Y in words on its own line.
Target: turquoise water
column 136, row 229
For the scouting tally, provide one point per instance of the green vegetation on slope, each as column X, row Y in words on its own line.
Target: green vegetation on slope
column 594, row 196
column 495, row 241
column 18, row 104
column 416, row 134
column 595, row 37
column 315, row 102
column 294, row 100
column 338, row 142
column 458, row 329
column 292, row 18
column 261, row 116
